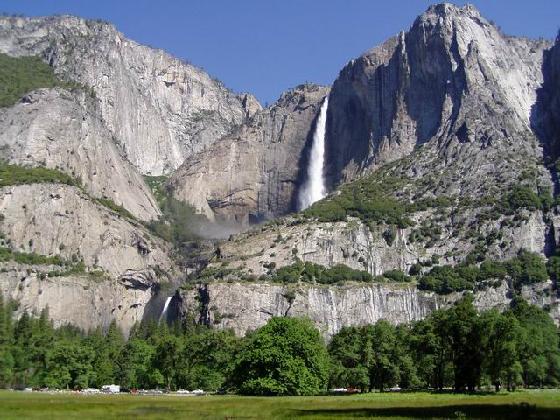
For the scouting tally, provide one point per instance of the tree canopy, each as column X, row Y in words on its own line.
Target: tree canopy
column 285, row 357
column 456, row 347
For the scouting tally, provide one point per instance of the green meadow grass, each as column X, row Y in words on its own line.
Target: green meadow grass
column 519, row 405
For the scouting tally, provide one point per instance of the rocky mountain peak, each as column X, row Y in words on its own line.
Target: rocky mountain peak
column 449, row 10
column 433, row 83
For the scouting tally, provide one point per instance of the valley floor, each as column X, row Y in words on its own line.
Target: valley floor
column 534, row 404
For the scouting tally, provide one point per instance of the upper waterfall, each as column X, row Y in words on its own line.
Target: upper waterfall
column 313, row 189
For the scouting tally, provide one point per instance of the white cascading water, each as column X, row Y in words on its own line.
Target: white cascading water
column 165, row 306
column 314, row 188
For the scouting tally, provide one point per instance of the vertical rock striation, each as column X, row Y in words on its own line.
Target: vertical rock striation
column 61, row 130
column 254, row 172
column 454, row 80
column 160, row 109
column 244, row 307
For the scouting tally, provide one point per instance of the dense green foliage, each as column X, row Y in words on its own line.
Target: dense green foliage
column 526, row 268
column 456, row 347
column 285, row 357
column 33, row 353
column 19, row 75
column 20, row 175
column 309, row 272
column 523, row 197
column 367, row 198
column 6, row 254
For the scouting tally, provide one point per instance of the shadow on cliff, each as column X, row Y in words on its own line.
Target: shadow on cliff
column 155, row 306
column 475, row 411
column 545, row 112
column 415, row 81
column 545, row 123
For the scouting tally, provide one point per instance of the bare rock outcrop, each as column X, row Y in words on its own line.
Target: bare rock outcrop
column 546, row 112
column 54, row 219
column 453, row 83
column 61, row 130
column 362, row 247
column 254, row 172
column 244, row 307
column 159, row 108
column 120, row 264
column 76, row 299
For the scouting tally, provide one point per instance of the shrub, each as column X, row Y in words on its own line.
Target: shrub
column 309, row 272
column 120, row 210
column 179, row 222
column 523, row 197
column 19, row 75
column 6, row 254
column 396, row 276
column 367, row 198
column 20, row 175
column 525, row 268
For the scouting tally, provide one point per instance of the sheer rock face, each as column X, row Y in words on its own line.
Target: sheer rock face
column 74, row 299
column 452, row 105
column 246, row 306
column 159, row 108
column 54, row 219
column 361, row 247
column 546, row 116
column 453, row 82
column 253, row 173
column 61, row 130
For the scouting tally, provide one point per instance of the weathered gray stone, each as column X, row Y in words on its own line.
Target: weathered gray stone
column 453, row 83
column 253, row 173
column 62, row 130
column 159, row 108
column 247, row 306
column 78, row 300
column 358, row 246
column 54, row 219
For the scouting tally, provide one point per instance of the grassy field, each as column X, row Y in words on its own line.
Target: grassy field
column 519, row 405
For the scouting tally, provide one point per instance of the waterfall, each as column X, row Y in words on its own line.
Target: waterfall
column 314, row 188
column 164, row 312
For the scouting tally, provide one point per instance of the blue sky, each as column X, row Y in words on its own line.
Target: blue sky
column 267, row 46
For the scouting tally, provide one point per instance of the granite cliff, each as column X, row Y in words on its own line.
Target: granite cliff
column 253, row 173
column 453, row 83
column 441, row 148
column 58, row 129
column 159, row 109
column 245, row 307
column 96, row 261
column 432, row 157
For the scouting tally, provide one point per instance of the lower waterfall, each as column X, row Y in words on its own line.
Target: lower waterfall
column 165, row 307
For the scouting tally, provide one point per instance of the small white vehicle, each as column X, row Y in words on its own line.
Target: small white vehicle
column 111, row 389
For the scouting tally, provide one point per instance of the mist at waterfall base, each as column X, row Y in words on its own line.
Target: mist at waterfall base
column 313, row 188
